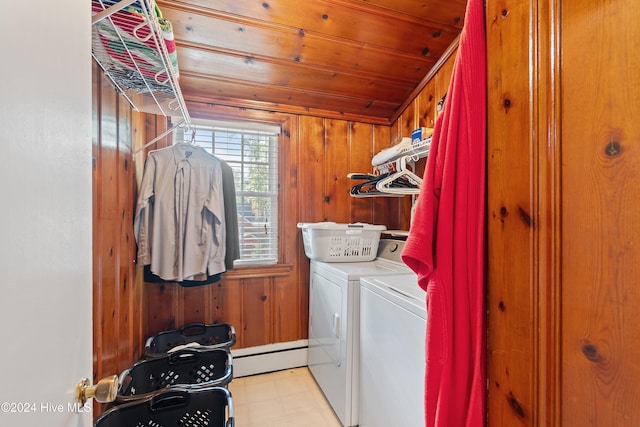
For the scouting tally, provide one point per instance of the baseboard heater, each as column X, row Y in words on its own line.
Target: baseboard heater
column 269, row 358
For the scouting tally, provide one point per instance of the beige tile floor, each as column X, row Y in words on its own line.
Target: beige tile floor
column 289, row 398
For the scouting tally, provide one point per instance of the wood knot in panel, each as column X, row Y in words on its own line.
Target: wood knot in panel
column 526, row 218
column 506, row 103
column 503, row 213
column 613, row 149
column 515, row 405
column 590, row 351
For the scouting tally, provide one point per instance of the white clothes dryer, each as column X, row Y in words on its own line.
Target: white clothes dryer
column 334, row 317
column 393, row 318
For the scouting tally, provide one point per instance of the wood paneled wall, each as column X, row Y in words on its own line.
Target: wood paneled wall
column 513, row 221
column 599, row 171
column 116, row 298
column 422, row 111
column 563, row 213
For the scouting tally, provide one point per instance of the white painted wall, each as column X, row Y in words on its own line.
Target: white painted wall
column 45, row 210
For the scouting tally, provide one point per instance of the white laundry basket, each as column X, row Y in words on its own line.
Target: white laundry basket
column 332, row 242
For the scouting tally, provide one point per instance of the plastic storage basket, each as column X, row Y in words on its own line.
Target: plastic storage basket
column 218, row 335
column 191, row 367
column 174, row 407
column 332, row 242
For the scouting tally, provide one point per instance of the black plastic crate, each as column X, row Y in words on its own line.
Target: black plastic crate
column 175, row 406
column 216, row 335
column 190, row 367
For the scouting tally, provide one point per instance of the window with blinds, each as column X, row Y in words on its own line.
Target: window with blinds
column 252, row 152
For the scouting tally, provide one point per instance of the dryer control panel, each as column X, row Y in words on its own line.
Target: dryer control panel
column 391, row 249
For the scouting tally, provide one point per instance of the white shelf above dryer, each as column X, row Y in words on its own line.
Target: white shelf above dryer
column 130, row 45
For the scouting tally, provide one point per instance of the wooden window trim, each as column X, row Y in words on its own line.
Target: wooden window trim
column 257, row 271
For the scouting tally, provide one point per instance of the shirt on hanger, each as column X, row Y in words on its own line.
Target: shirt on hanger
column 232, row 248
column 231, row 215
column 179, row 220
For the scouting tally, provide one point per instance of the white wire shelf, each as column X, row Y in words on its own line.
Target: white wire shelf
column 395, row 177
column 132, row 45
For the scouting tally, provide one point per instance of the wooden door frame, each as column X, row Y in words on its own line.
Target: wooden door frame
column 524, row 213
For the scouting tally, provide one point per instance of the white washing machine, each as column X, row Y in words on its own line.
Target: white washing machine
column 334, row 317
column 393, row 319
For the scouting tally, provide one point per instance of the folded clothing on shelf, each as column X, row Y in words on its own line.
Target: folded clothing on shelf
column 391, row 153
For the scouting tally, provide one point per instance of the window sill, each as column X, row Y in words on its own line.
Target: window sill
column 255, row 271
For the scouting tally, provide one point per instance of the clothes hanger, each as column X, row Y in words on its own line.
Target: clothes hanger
column 403, row 182
column 368, row 188
column 191, row 142
column 365, row 176
column 159, row 137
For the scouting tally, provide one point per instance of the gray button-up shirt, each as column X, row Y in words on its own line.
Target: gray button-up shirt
column 179, row 220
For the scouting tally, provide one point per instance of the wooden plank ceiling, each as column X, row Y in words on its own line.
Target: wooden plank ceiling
column 348, row 58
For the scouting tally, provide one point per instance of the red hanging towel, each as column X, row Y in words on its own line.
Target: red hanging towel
column 445, row 246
